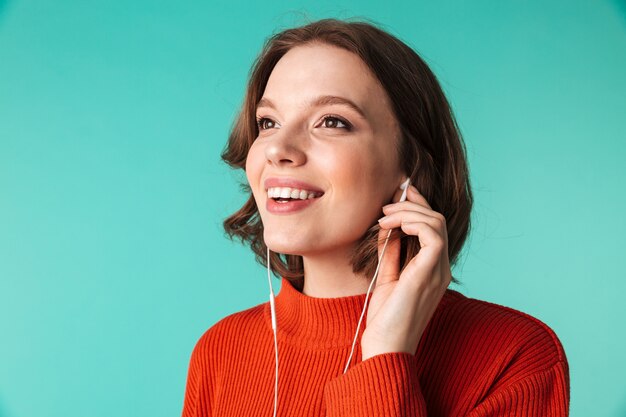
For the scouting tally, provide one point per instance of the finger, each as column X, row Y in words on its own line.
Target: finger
column 414, row 195
column 424, row 270
column 412, row 206
column 432, row 244
column 397, row 218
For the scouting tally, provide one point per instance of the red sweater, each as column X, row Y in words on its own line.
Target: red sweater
column 474, row 359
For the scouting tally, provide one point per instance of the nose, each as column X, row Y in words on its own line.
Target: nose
column 285, row 148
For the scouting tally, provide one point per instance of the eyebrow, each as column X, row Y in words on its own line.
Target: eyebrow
column 319, row 101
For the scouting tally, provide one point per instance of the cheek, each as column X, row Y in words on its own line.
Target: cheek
column 343, row 169
column 253, row 167
column 356, row 179
column 254, row 170
column 362, row 180
column 358, row 168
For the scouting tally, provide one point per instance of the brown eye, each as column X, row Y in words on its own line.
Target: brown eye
column 262, row 125
column 333, row 122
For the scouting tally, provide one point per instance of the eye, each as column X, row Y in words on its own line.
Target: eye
column 262, row 125
column 333, row 121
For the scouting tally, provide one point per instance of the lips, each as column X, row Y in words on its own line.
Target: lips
column 288, row 207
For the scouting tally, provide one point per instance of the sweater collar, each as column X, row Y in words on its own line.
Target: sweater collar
column 323, row 323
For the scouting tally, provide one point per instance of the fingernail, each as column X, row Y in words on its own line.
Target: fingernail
column 382, row 219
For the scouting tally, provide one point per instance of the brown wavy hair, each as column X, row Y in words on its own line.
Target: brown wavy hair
column 431, row 148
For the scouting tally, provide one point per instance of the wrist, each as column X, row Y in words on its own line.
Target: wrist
column 369, row 349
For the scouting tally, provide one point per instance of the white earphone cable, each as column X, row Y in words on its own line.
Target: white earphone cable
column 366, row 300
column 273, row 311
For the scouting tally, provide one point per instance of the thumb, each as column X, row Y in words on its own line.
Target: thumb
column 389, row 269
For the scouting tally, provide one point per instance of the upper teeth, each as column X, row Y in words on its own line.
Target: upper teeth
column 286, row 192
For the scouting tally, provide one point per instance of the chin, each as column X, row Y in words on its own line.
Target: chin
column 285, row 243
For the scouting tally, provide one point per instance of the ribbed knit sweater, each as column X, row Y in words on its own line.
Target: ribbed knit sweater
column 474, row 359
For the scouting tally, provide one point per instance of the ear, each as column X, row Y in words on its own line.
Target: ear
column 403, row 177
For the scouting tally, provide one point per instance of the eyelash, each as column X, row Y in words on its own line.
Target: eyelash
column 348, row 126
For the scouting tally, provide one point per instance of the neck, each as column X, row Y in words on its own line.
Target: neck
column 330, row 275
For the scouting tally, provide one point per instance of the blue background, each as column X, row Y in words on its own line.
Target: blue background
column 113, row 114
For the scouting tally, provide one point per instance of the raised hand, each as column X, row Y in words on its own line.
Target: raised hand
column 401, row 305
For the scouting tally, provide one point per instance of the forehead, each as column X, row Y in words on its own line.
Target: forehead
column 309, row 71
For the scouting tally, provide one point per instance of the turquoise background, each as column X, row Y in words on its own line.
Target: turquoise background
column 113, row 261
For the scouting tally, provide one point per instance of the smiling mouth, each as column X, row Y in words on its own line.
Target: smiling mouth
column 286, row 200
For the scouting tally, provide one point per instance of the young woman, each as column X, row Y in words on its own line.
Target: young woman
column 337, row 115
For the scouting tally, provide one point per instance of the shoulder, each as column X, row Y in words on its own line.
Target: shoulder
column 517, row 326
column 510, row 339
column 228, row 330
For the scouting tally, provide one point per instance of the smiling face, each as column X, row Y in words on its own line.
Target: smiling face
column 308, row 133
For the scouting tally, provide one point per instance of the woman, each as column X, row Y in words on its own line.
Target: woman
column 336, row 116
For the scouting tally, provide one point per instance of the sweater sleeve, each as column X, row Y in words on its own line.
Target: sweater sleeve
column 199, row 390
column 542, row 393
column 383, row 385
column 388, row 385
